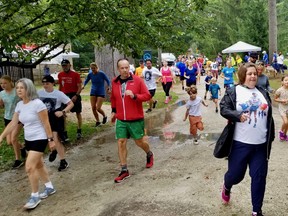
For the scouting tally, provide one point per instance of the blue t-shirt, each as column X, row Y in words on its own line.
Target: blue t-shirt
column 214, row 89
column 181, row 66
column 228, row 73
column 97, row 80
column 191, row 74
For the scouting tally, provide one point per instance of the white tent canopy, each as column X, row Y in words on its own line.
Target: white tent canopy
column 168, row 57
column 241, row 47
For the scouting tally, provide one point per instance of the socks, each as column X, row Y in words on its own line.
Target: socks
column 49, row 184
column 149, row 154
column 35, row 194
column 124, row 168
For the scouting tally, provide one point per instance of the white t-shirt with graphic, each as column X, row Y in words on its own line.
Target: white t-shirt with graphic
column 194, row 106
column 53, row 100
column 28, row 116
column 252, row 103
column 150, row 76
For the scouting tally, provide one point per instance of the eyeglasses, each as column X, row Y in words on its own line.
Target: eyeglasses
column 260, row 64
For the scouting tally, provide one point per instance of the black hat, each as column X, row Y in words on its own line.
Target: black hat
column 254, row 55
column 48, row 78
column 141, row 61
column 65, row 62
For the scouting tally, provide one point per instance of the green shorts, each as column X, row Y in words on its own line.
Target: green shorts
column 134, row 129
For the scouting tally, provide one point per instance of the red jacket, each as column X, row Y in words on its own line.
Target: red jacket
column 126, row 108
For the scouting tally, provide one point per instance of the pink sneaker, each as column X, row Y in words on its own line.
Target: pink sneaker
column 166, row 101
column 225, row 195
column 282, row 136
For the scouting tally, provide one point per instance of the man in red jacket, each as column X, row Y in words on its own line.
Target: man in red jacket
column 128, row 93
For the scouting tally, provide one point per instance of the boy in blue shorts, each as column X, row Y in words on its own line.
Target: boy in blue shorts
column 214, row 89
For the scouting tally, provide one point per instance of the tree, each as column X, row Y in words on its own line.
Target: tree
column 128, row 25
column 272, row 28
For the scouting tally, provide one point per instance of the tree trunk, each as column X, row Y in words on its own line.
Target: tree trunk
column 272, row 28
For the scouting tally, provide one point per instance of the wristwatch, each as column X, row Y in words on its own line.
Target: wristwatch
column 50, row 139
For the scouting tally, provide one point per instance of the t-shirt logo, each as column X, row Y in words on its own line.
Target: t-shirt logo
column 148, row 75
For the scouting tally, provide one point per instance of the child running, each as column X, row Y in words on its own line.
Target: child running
column 214, row 89
column 207, row 83
column 281, row 96
column 194, row 112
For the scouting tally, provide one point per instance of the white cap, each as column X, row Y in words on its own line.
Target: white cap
column 264, row 52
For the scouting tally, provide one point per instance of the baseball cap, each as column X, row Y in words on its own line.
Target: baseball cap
column 48, row 78
column 254, row 55
column 65, row 62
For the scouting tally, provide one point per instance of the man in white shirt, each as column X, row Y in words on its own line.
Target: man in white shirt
column 151, row 75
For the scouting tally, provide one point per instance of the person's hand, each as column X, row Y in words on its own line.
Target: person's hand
column 244, row 117
column 184, row 119
column 129, row 93
column 227, row 78
column 113, row 117
column 108, row 91
column 52, row 145
column 74, row 98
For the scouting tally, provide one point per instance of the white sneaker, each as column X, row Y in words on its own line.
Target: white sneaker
column 196, row 142
column 32, row 203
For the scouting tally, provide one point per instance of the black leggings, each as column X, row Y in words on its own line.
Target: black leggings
column 167, row 87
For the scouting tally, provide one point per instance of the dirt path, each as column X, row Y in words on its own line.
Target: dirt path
column 185, row 180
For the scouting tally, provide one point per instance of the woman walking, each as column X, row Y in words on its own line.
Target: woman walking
column 32, row 113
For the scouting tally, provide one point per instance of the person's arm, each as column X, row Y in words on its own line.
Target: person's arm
column 186, row 115
column 68, row 107
column 11, row 126
column 219, row 90
column 43, row 115
column 227, row 109
column 277, row 98
column 87, row 79
column 203, row 102
column 268, row 86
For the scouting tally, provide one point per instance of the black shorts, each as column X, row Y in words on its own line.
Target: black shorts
column 6, row 122
column 36, row 145
column 182, row 78
column 103, row 96
column 188, row 84
column 56, row 123
column 77, row 104
column 152, row 92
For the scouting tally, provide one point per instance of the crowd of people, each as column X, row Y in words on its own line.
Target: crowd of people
column 247, row 104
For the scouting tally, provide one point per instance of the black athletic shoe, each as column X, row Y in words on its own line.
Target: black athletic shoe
column 104, row 120
column 148, row 110
column 52, row 155
column 17, row 164
column 98, row 123
column 63, row 165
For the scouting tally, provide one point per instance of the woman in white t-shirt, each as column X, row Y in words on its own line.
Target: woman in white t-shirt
column 32, row 113
column 250, row 109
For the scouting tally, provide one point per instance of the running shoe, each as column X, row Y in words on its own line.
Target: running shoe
column 225, row 195
column 154, row 104
column 122, row 176
column 98, row 123
column 205, row 97
column 216, row 110
column 53, row 155
column 166, row 101
column 257, row 214
column 104, row 120
column 63, row 165
column 148, row 110
column 17, row 164
column 32, row 203
column 196, row 142
column 47, row 192
column 150, row 161
column 282, row 136
column 79, row 135
column 182, row 87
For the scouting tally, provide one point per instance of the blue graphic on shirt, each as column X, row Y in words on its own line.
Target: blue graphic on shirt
column 252, row 106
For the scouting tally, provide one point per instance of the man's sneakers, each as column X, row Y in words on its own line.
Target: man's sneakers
column 32, row 203
column 148, row 110
column 154, row 104
column 17, row 164
column 216, row 110
column 104, row 120
column 79, row 134
column 47, row 192
column 53, row 155
column 257, row 214
column 150, row 160
column 63, row 165
column 225, row 195
column 196, row 142
column 122, row 176
column 98, row 123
